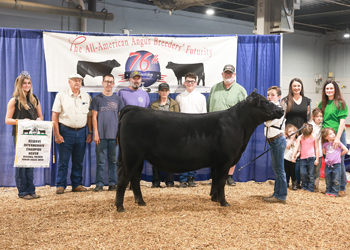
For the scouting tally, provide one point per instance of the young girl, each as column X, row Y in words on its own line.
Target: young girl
column 317, row 118
column 23, row 105
column 332, row 168
column 289, row 165
column 308, row 144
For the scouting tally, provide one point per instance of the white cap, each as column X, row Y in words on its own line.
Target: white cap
column 75, row 75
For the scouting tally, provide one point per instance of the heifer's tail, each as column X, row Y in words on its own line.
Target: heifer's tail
column 125, row 110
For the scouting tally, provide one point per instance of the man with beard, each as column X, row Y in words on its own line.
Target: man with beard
column 224, row 95
column 133, row 95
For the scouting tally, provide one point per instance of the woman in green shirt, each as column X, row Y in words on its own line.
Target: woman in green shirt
column 335, row 112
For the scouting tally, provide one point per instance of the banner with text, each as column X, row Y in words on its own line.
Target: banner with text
column 33, row 144
column 159, row 59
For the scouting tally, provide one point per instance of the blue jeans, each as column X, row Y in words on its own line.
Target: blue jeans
column 277, row 148
column 332, row 175
column 307, row 173
column 24, row 179
column 343, row 180
column 108, row 146
column 74, row 145
column 184, row 176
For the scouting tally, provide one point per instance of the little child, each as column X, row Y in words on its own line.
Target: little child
column 332, row 168
column 308, row 144
column 289, row 165
column 317, row 118
column 277, row 145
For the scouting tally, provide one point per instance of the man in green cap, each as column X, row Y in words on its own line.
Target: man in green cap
column 224, row 95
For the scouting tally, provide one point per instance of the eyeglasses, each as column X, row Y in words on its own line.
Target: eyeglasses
column 190, row 82
column 108, row 82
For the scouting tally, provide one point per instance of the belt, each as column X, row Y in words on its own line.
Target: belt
column 274, row 138
column 75, row 129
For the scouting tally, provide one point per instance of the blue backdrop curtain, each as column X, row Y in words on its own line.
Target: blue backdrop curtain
column 258, row 66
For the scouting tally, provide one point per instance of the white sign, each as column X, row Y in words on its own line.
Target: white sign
column 33, row 145
column 159, row 59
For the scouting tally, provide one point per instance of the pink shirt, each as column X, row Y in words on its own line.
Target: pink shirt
column 307, row 147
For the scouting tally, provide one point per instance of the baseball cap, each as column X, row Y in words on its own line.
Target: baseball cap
column 135, row 73
column 75, row 75
column 229, row 67
column 163, row 86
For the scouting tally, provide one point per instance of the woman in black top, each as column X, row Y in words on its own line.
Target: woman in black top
column 23, row 105
column 297, row 109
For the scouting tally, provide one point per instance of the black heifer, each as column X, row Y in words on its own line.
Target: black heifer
column 181, row 70
column 178, row 142
column 96, row 68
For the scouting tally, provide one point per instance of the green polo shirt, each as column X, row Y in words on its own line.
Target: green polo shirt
column 332, row 115
column 221, row 98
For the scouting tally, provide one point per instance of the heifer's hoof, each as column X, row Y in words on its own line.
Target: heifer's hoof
column 120, row 209
column 225, row 204
column 141, row 203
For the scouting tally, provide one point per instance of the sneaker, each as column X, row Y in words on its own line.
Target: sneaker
column 183, row 184
column 98, row 189
column 191, row 182
column 230, row 181
column 112, row 188
column 27, row 197
column 274, row 200
column 79, row 188
column 35, row 196
column 341, row 193
column 169, row 185
column 60, row 190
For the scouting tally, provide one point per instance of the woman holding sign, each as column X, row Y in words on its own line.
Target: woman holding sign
column 23, row 105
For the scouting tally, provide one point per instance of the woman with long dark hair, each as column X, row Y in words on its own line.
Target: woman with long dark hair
column 335, row 111
column 23, row 105
column 297, row 109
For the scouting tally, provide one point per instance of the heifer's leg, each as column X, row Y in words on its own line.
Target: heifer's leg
column 221, row 189
column 121, row 186
column 135, row 182
column 214, row 185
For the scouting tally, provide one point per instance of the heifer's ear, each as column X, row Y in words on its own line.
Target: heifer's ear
column 254, row 90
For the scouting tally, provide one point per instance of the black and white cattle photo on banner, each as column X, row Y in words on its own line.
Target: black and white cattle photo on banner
column 158, row 59
column 33, row 144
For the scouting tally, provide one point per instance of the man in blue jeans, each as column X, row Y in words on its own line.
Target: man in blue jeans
column 277, row 145
column 70, row 114
column 105, row 109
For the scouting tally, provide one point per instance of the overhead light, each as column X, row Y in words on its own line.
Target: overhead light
column 210, row 11
column 347, row 35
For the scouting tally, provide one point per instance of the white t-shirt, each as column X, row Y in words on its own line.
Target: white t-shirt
column 317, row 133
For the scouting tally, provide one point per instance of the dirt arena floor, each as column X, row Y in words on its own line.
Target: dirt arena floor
column 175, row 218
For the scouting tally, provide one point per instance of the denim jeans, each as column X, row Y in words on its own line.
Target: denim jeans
column 108, row 146
column 307, row 173
column 343, row 180
column 332, row 176
column 184, row 176
column 24, row 179
column 74, row 145
column 277, row 148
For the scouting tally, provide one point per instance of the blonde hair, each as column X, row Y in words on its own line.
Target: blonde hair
column 19, row 93
column 325, row 133
column 288, row 126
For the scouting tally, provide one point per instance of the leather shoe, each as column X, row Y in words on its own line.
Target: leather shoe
column 112, row 188
column 60, row 190
column 79, row 188
column 274, row 200
column 35, row 196
column 98, row 189
column 27, row 197
column 341, row 193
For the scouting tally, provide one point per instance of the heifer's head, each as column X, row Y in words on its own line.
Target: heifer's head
column 262, row 109
column 170, row 65
column 114, row 63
